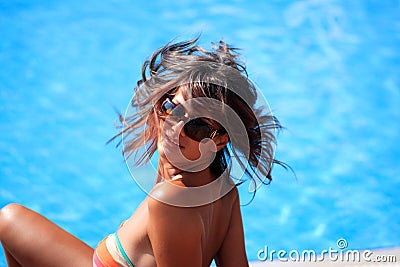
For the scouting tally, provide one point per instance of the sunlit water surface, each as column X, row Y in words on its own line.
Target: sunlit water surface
column 329, row 69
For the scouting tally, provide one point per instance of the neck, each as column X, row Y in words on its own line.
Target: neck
column 168, row 172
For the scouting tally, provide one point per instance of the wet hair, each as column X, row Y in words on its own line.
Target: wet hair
column 202, row 73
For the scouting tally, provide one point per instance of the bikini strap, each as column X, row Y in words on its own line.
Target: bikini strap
column 121, row 249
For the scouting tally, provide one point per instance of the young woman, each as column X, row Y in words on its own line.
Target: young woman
column 197, row 109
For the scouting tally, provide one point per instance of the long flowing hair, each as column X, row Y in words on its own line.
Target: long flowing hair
column 218, row 74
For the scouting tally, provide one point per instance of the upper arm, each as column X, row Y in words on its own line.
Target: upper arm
column 232, row 252
column 174, row 235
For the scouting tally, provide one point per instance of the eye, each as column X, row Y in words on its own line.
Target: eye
column 198, row 129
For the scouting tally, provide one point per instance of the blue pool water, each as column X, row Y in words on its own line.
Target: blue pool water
column 329, row 69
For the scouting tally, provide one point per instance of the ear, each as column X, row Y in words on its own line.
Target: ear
column 221, row 140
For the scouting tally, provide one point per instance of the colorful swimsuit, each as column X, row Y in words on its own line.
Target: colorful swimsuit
column 110, row 253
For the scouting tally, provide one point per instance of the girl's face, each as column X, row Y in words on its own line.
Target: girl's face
column 191, row 147
column 172, row 137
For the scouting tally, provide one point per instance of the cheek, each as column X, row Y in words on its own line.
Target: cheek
column 190, row 148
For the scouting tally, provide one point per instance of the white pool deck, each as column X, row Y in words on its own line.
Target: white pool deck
column 378, row 257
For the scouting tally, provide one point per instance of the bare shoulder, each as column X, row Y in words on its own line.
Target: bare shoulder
column 171, row 193
column 232, row 251
column 177, row 194
column 162, row 205
column 173, row 232
column 165, row 191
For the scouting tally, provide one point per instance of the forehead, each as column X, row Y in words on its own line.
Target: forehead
column 181, row 95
